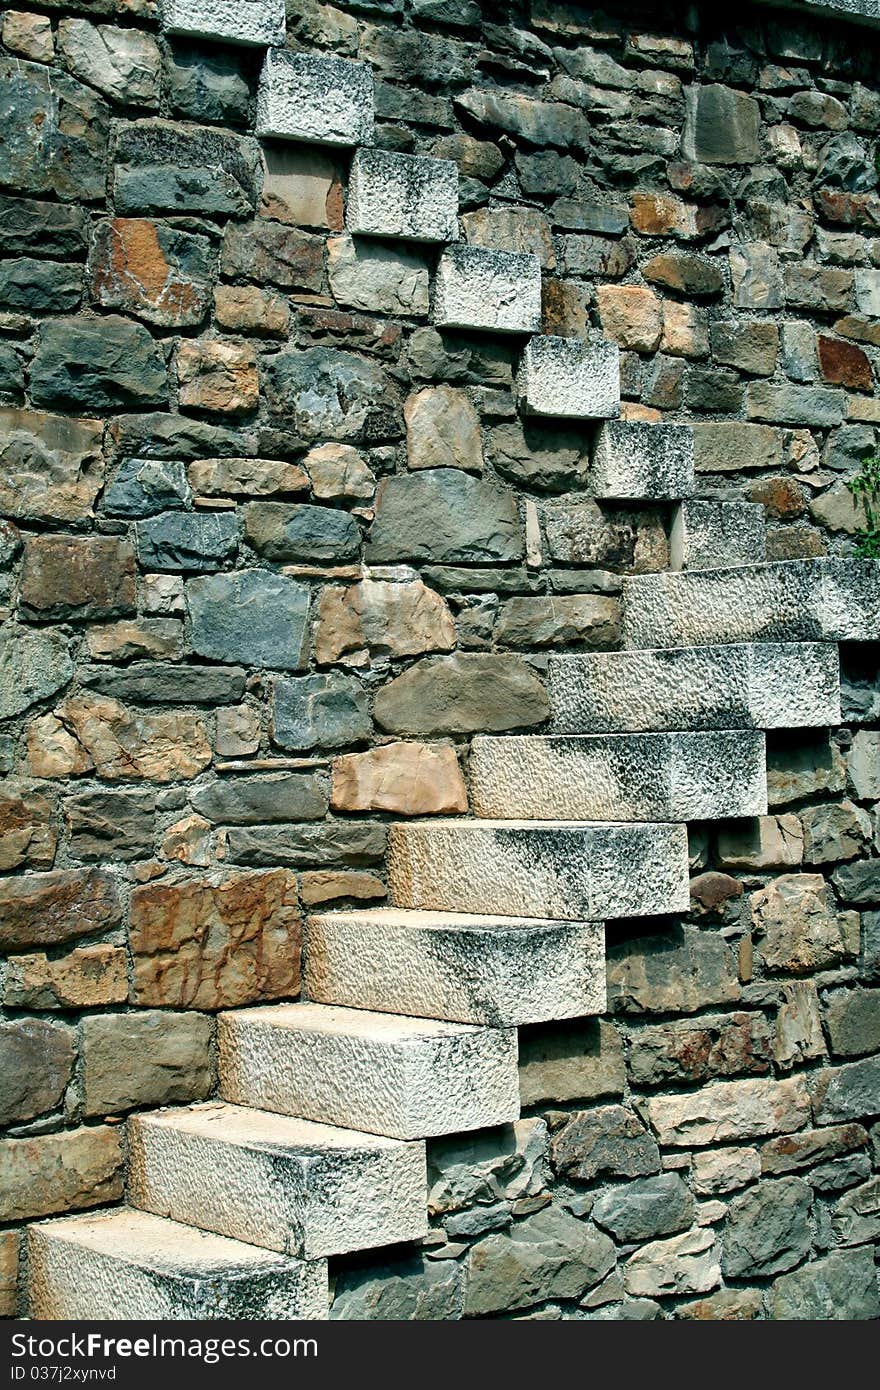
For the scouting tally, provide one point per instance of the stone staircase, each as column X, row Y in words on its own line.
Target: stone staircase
column 316, row 1146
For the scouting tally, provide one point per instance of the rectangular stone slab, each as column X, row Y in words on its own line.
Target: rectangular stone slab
column 640, row 461
column 570, row 378
column 496, row 290
column 125, row 1264
column 621, row 777
column 831, row 600
column 321, row 101
column 773, row 685
column 402, row 195
column 712, row 535
column 406, row 1077
column 286, row 1184
column 475, row 969
column 568, row 870
column 252, row 22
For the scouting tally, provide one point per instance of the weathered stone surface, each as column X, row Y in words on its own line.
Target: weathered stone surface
column 548, row 1255
column 841, row 1286
column 124, row 64
column 261, row 799
column 538, row 122
column 143, row 487
column 33, row 665
column 587, row 533
column 217, row 375
column 253, row 616
column 284, row 531
column 852, row 1018
column 155, row 272
column 446, row 516
column 36, row 1066
column 798, row 1025
column 570, row 378
column 797, row 925
column 324, row 101
column 722, row 126
column 443, row 430
column 265, row 250
column 93, row 733
column 807, row 767
column 324, row 393
column 60, row 1172
column 103, row 363
column 413, row 779
column 398, row 195
column 530, row 454
column 763, row 842
column 707, row 534
column 487, row 289
column 72, row 577
column 155, row 682
column 28, row 836
column 139, row 637
column 207, row 85
column 607, row 1141
column 216, row 943
column 256, row 22
column 187, row 541
column 724, row 1170
column 570, row 1061
column 86, row 977
column 642, row 461
column 51, row 229
column 413, row 1289
column 246, row 477
column 54, row 133
column 730, row 1110
column 846, row 1093
column 795, row 1152
column 864, row 764
column 511, row 228
column 9, row 1252
column 645, row 1209
column 681, row 970
column 729, row 446
column 767, row 1229
column 727, row 1305
column 47, row 909
column 693, row 1050
column 39, row 286
column 465, row 693
column 147, row 1058
column 164, row 167
column 111, row 825
column 302, row 185
column 405, row 619
column 337, row 471
column 858, row 882
column 691, row 275
column 29, row 35
column 685, row 1264
column 316, row 711
column 306, row 846
column 631, row 316
column 565, row 619
column 246, row 309
column 376, row 278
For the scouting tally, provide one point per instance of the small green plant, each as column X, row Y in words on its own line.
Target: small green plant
column 865, row 488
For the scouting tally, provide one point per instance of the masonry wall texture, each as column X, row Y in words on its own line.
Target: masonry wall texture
column 261, row 519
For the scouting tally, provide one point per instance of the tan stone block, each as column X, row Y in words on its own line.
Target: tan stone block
column 797, row 926
column 84, row 978
column 52, row 466
column 765, row 842
column 238, row 731
column 120, row 744
column 245, row 477
column 78, row 576
column 685, row 330
column 218, row 376
column 60, row 1172
column 511, row 229
column 9, row 1243
column 28, row 836
column 442, row 430
column 188, row 841
column 631, row 316
column 338, row 471
column 29, row 35
column 247, row 309
column 137, row 637
column 151, row 1058
column 302, row 187
column 730, row 1110
column 327, row 885
column 404, row 619
column 412, row 779
column 46, row 909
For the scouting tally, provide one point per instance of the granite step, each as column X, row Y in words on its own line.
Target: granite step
column 499, row 971
column 286, row 1184
column 620, row 777
column 641, row 462
column 566, row 870
column 408, row 1078
column 708, row 535
column 257, row 24
column 479, row 288
column 128, row 1265
column 315, row 100
column 407, row 196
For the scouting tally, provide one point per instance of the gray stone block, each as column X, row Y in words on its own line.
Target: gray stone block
column 405, row 1077
column 570, row 378
column 403, row 195
column 550, row 869
column 712, row 535
column 321, row 101
column 640, row 461
column 254, row 616
column 448, row 965
column 187, row 540
column 621, row 777
column 125, row 1264
column 495, row 290
column 252, row 22
column 786, row 685
column 282, row 1183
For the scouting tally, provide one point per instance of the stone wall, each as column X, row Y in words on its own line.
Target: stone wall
column 274, row 547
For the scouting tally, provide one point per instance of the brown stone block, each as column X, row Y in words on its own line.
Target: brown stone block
column 155, row 272
column 78, row 577
column 46, row 909
column 84, row 978
column 218, row 376
column 844, row 364
column 60, row 1172
column 27, row 834
column 412, row 779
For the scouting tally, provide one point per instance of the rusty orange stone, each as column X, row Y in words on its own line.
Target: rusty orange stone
column 844, row 364
column 158, row 273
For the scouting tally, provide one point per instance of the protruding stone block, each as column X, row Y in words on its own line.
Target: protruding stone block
column 639, row 461
column 286, row 1184
column 711, row 535
column 321, row 101
column 255, row 23
column 777, row 685
column 406, row 1077
column 621, row 777
column 499, row 291
column 570, row 378
column 831, row 600
column 553, row 869
column 126, row 1265
column 448, row 965
column 403, row 195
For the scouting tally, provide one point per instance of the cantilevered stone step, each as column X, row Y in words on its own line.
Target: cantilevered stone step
column 552, row 869
column 321, row 101
column 637, row 461
column 621, row 777
column 715, row 535
column 126, row 1264
column 570, row 378
column 494, row 970
column 495, row 290
column 251, row 22
column 405, row 1077
column 831, row 600
column 403, row 195
column 771, row 685
column 286, row 1184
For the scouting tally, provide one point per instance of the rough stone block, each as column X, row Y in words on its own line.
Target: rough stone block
column 499, row 291
column 730, row 1110
column 253, row 22
column 620, row 777
column 403, row 195
column 164, row 166
column 48, row 909
column 493, row 970
column 714, row 535
column 286, row 1184
column 253, row 616
column 560, row 869
column 60, row 1172
column 643, row 461
column 52, row 466
column 777, row 685
column 319, row 100
column 570, row 378
column 128, row 1264
column 146, row 1058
